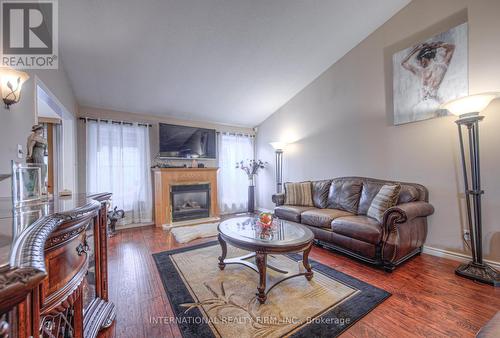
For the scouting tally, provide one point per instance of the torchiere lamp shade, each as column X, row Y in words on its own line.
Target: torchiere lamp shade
column 472, row 104
column 278, row 145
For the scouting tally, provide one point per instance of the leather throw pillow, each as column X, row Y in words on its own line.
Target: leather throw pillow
column 386, row 197
column 298, row 194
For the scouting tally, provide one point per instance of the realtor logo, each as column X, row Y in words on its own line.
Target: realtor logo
column 29, row 34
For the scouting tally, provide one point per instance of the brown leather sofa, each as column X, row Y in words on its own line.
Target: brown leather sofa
column 339, row 221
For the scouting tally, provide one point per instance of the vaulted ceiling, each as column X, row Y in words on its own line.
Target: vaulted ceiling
column 226, row 61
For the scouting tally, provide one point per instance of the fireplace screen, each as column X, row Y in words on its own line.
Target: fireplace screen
column 190, row 201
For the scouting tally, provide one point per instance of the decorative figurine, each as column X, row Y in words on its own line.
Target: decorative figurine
column 113, row 217
column 36, row 147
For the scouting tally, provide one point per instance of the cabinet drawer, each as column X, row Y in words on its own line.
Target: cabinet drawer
column 66, row 266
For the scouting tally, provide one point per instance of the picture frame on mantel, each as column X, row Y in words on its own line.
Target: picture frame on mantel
column 428, row 74
column 26, row 182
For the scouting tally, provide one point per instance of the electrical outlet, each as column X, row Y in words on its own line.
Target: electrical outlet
column 19, row 151
column 467, row 235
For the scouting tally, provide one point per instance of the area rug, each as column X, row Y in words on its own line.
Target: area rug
column 189, row 233
column 208, row 302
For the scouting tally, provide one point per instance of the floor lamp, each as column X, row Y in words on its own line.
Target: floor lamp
column 278, row 149
column 468, row 109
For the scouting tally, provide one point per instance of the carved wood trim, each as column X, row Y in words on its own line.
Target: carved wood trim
column 27, row 258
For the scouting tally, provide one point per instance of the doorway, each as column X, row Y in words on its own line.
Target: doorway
column 59, row 130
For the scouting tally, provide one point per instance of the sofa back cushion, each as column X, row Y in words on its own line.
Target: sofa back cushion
column 298, row 194
column 344, row 194
column 386, row 198
column 320, row 193
column 370, row 189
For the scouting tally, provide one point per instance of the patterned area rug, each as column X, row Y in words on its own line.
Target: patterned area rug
column 208, row 302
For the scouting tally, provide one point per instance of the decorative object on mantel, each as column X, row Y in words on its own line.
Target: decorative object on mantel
column 159, row 162
column 11, row 83
column 251, row 168
column 429, row 74
column 113, row 217
column 278, row 149
column 36, row 147
column 468, row 109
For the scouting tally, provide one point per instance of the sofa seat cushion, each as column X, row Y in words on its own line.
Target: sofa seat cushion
column 322, row 218
column 290, row 212
column 362, row 228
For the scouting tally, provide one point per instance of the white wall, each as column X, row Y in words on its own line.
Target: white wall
column 16, row 123
column 341, row 122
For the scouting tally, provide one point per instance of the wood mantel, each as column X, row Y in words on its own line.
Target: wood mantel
column 164, row 178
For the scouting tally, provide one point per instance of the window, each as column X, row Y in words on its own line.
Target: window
column 118, row 161
column 233, row 182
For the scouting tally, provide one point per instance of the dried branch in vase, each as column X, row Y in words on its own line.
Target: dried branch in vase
column 251, row 167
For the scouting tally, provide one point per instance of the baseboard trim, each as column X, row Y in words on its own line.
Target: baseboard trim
column 456, row 256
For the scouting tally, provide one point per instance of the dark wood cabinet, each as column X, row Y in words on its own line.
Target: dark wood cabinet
column 54, row 283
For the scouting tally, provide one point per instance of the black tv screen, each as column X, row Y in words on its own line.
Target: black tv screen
column 186, row 142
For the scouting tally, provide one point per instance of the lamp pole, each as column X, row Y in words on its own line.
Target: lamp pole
column 476, row 269
column 467, row 109
column 279, row 170
column 278, row 149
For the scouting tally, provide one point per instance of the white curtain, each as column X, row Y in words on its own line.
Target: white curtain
column 233, row 182
column 118, row 161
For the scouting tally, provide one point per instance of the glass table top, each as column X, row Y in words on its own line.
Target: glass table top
column 281, row 232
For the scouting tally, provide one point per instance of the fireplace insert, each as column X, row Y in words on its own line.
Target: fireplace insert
column 190, row 201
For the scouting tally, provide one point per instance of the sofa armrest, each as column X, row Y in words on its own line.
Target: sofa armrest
column 279, row 199
column 405, row 227
column 407, row 211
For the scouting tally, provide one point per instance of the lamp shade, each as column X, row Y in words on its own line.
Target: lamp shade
column 470, row 104
column 11, row 83
column 278, row 145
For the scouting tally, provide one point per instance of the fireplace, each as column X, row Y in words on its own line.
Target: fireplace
column 190, row 201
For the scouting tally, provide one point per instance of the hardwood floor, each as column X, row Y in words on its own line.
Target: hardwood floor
column 428, row 299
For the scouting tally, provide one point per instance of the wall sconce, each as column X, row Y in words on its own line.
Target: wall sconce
column 278, row 148
column 11, row 83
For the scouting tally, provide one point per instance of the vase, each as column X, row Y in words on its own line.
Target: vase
column 251, row 199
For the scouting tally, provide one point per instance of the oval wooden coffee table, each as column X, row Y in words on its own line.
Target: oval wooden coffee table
column 283, row 238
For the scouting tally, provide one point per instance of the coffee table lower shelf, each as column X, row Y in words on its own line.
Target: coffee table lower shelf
column 261, row 266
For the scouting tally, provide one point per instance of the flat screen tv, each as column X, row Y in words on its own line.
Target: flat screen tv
column 186, row 142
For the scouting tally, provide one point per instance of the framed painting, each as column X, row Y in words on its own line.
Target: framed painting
column 429, row 74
